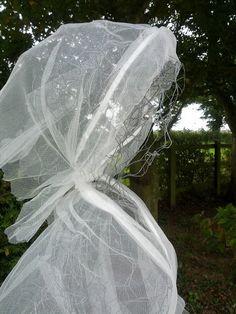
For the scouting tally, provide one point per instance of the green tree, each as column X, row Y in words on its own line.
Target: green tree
column 205, row 31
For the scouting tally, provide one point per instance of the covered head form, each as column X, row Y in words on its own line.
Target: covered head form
column 75, row 110
column 78, row 100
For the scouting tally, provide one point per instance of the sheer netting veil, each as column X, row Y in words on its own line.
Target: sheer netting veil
column 75, row 111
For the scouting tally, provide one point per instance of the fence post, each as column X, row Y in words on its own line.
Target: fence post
column 172, row 176
column 217, row 168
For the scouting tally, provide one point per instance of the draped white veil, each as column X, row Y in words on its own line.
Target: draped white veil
column 74, row 112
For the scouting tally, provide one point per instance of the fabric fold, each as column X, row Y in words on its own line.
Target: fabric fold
column 74, row 113
column 34, row 213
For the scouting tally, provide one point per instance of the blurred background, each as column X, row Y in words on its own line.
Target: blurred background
column 191, row 187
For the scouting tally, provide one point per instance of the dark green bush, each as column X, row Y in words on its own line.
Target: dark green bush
column 226, row 219
column 195, row 166
column 9, row 210
column 220, row 230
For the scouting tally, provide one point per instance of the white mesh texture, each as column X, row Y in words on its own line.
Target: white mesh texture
column 74, row 112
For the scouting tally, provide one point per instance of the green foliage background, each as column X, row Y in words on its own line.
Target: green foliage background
column 9, row 210
column 220, row 230
column 205, row 31
column 195, row 166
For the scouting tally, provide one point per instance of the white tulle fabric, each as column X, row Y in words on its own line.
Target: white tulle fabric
column 71, row 118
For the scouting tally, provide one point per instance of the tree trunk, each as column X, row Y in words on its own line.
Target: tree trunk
column 230, row 115
column 146, row 186
column 232, row 189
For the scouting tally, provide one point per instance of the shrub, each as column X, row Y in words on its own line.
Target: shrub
column 220, row 230
column 194, row 165
column 9, row 210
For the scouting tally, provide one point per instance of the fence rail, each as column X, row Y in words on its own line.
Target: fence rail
column 216, row 146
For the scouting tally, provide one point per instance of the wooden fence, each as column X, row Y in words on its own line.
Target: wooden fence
column 172, row 190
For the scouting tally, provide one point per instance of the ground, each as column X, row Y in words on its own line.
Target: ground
column 206, row 279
